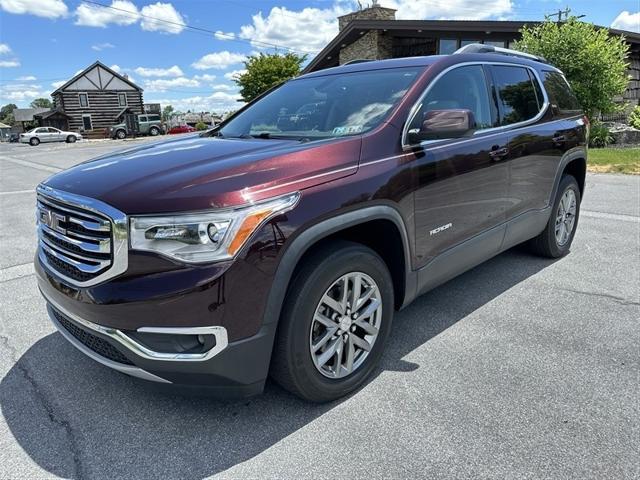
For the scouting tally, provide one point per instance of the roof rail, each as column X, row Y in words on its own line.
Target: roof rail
column 357, row 60
column 482, row 48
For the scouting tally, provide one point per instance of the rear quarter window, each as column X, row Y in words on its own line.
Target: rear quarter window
column 519, row 98
column 561, row 96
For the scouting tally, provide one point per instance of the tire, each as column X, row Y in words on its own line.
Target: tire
column 121, row 134
column 293, row 365
column 154, row 131
column 34, row 141
column 548, row 243
column 71, row 139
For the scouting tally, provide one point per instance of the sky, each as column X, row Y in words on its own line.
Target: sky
column 185, row 52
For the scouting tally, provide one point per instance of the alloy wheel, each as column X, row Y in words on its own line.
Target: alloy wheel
column 345, row 325
column 566, row 217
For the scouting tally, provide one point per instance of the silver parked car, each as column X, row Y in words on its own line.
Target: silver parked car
column 48, row 134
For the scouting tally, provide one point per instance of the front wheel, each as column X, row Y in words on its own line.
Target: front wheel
column 153, row 131
column 335, row 322
column 555, row 241
column 71, row 139
column 121, row 134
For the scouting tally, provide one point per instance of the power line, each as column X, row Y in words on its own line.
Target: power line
column 192, row 28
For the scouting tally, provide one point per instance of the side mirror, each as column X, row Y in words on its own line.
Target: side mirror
column 438, row 124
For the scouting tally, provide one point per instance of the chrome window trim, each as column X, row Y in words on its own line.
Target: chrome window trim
column 418, row 104
column 220, row 333
column 119, row 234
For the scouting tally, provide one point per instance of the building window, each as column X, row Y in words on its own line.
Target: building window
column 84, row 100
column 122, row 99
column 468, row 42
column 86, row 123
column 447, row 46
column 496, row 43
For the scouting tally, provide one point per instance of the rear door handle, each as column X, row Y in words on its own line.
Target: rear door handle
column 558, row 138
column 498, row 153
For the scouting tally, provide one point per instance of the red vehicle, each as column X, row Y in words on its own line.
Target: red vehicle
column 283, row 241
column 182, row 129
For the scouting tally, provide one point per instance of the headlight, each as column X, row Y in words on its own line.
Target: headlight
column 207, row 236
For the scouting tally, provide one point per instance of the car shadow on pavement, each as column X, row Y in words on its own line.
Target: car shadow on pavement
column 77, row 419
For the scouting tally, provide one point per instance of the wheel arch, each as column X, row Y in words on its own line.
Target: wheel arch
column 356, row 225
column 573, row 163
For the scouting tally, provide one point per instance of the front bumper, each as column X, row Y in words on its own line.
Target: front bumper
column 236, row 369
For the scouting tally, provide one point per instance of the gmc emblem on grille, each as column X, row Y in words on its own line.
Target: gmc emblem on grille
column 52, row 220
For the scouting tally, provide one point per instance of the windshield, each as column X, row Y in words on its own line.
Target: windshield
column 322, row 107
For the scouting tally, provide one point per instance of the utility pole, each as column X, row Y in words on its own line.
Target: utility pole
column 559, row 14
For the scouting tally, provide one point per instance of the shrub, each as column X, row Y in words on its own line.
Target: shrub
column 594, row 62
column 634, row 118
column 599, row 136
column 201, row 126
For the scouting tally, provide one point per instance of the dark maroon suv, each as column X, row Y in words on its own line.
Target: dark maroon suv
column 282, row 242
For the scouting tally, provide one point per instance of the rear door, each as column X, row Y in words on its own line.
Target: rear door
column 43, row 134
column 462, row 182
column 535, row 144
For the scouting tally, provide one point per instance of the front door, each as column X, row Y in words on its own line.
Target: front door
column 462, row 182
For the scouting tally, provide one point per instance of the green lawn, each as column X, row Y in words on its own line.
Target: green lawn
column 614, row 160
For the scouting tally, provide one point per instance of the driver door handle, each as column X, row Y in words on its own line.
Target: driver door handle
column 498, row 153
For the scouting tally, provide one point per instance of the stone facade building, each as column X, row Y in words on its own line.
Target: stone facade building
column 375, row 34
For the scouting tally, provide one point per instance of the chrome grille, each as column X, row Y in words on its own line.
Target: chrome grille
column 77, row 240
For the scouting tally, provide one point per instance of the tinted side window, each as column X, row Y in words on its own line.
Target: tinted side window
column 154, row 118
column 516, row 94
column 461, row 88
column 560, row 94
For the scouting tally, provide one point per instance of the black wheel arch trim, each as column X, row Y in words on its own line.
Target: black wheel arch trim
column 576, row 154
column 304, row 240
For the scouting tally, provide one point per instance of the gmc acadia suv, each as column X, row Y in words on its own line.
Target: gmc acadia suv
column 282, row 242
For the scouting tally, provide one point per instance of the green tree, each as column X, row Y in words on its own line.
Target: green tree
column 167, row 112
column 265, row 71
column 6, row 113
column 201, row 126
column 593, row 61
column 41, row 103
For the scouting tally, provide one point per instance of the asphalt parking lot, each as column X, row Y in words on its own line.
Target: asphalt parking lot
column 520, row 368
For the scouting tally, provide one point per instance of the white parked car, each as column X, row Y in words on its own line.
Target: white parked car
column 48, row 134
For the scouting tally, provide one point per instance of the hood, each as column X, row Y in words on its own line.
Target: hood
column 199, row 173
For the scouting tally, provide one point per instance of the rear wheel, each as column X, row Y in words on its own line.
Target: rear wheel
column 335, row 322
column 555, row 241
column 121, row 134
column 34, row 141
column 154, row 131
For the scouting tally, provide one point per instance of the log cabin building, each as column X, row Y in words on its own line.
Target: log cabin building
column 96, row 98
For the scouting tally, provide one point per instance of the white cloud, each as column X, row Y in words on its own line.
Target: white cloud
column 102, row 46
column 223, row 87
column 220, row 35
column 307, row 30
column 161, row 11
column 123, row 12
column 163, row 85
column 218, row 60
column 449, row 9
column 231, row 75
column 58, row 84
column 27, row 78
column 116, row 68
column 9, row 63
column 217, row 102
column 627, row 21
column 40, row 8
column 21, row 93
column 4, row 49
column 205, row 77
column 174, row 71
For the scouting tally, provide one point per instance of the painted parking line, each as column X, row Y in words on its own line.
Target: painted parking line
column 17, row 271
column 610, row 216
column 17, row 192
column 27, row 163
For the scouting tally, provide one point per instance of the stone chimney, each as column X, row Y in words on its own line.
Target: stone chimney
column 372, row 44
column 374, row 12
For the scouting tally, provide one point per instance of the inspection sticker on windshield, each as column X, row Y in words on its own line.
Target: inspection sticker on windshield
column 347, row 130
